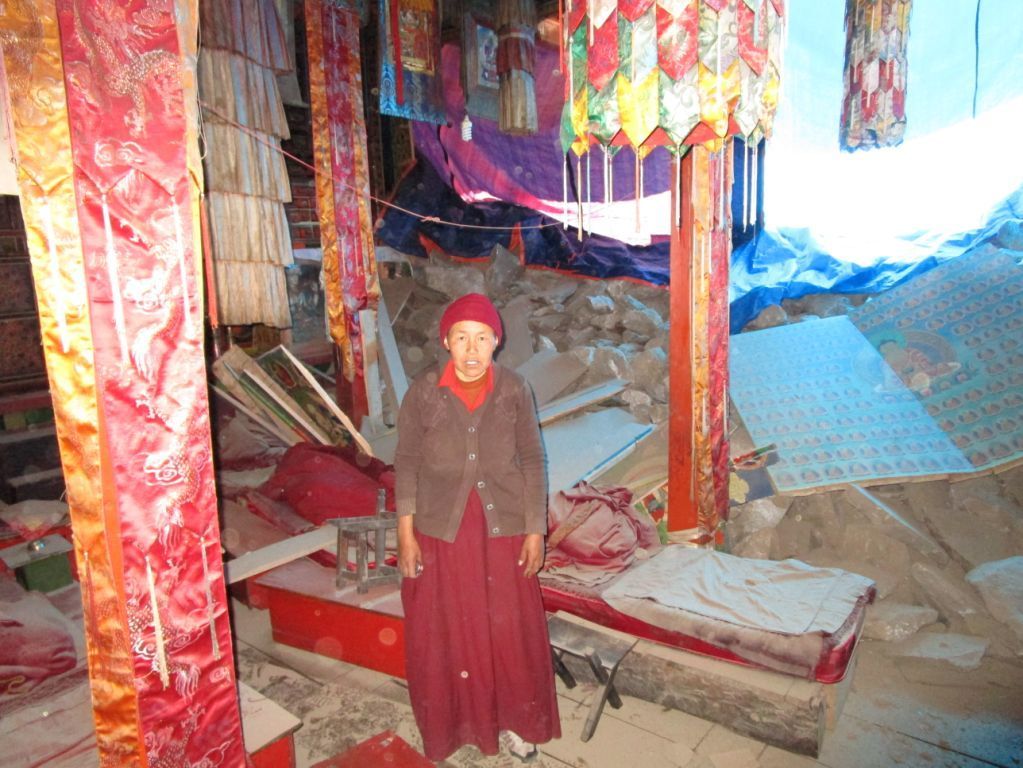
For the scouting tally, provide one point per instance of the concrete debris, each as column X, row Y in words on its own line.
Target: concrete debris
column 757, row 545
column 961, row 608
column 1000, row 584
column 891, row 621
column 886, row 519
column 754, row 516
column 769, row 317
column 961, row 651
column 615, row 329
column 504, row 271
column 917, row 541
column 955, row 514
column 451, row 282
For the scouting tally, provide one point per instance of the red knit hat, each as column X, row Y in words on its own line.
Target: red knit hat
column 472, row 306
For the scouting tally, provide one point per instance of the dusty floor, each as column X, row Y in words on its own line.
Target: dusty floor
column 899, row 713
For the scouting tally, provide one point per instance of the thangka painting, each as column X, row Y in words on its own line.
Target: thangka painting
column 479, row 63
column 291, row 376
column 410, row 60
column 954, row 337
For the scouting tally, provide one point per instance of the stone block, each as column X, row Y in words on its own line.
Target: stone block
column 503, row 271
column 891, row 621
column 1000, row 585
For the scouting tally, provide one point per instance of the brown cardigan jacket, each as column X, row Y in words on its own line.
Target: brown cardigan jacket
column 444, row 452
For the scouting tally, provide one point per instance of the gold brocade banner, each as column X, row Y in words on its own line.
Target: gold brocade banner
column 32, row 61
column 325, row 187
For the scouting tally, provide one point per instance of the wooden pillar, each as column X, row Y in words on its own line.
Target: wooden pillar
column 698, row 357
column 682, row 508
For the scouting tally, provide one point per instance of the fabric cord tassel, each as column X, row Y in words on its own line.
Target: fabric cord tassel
column 639, row 188
column 745, row 184
column 209, row 600
column 115, row 288
column 589, row 201
column 611, row 179
column 604, row 176
column 564, row 192
column 578, row 197
column 161, row 651
column 755, row 200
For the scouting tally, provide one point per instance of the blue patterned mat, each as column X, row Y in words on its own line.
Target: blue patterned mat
column 836, row 410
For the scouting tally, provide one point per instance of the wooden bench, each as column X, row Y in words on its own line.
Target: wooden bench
column 602, row 653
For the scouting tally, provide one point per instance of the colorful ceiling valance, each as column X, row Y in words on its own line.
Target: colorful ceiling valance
column 649, row 73
column 874, row 104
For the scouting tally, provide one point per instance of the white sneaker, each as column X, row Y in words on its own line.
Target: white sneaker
column 523, row 750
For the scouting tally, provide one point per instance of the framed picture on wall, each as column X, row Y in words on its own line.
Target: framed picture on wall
column 479, row 65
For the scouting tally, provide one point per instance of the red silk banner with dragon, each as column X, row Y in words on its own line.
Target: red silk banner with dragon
column 134, row 428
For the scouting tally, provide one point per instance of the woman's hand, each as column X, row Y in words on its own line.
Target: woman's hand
column 531, row 556
column 410, row 558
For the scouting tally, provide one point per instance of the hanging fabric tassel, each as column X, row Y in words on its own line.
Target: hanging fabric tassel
column 745, row 184
column 56, row 282
column 755, row 204
column 209, row 600
column 578, row 196
column 564, row 192
column 115, row 285
column 639, row 188
column 611, row 179
column 190, row 330
column 161, row 651
column 604, row 176
column 589, row 202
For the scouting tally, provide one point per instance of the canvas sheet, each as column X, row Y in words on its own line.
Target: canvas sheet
column 836, row 411
column 954, row 338
column 787, row 597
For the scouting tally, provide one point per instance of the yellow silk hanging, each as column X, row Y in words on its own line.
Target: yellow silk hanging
column 34, row 67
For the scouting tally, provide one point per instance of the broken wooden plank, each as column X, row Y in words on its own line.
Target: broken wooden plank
column 273, row 555
column 395, row 291
column 392, row 357
column 576, row 401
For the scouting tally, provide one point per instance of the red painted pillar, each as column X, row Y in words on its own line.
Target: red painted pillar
column 682, row 509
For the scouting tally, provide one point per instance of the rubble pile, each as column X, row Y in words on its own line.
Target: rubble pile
column 946, row 557
column 615, row 329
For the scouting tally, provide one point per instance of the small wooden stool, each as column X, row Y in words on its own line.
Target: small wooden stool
column 601, row 652
column 356, row 531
